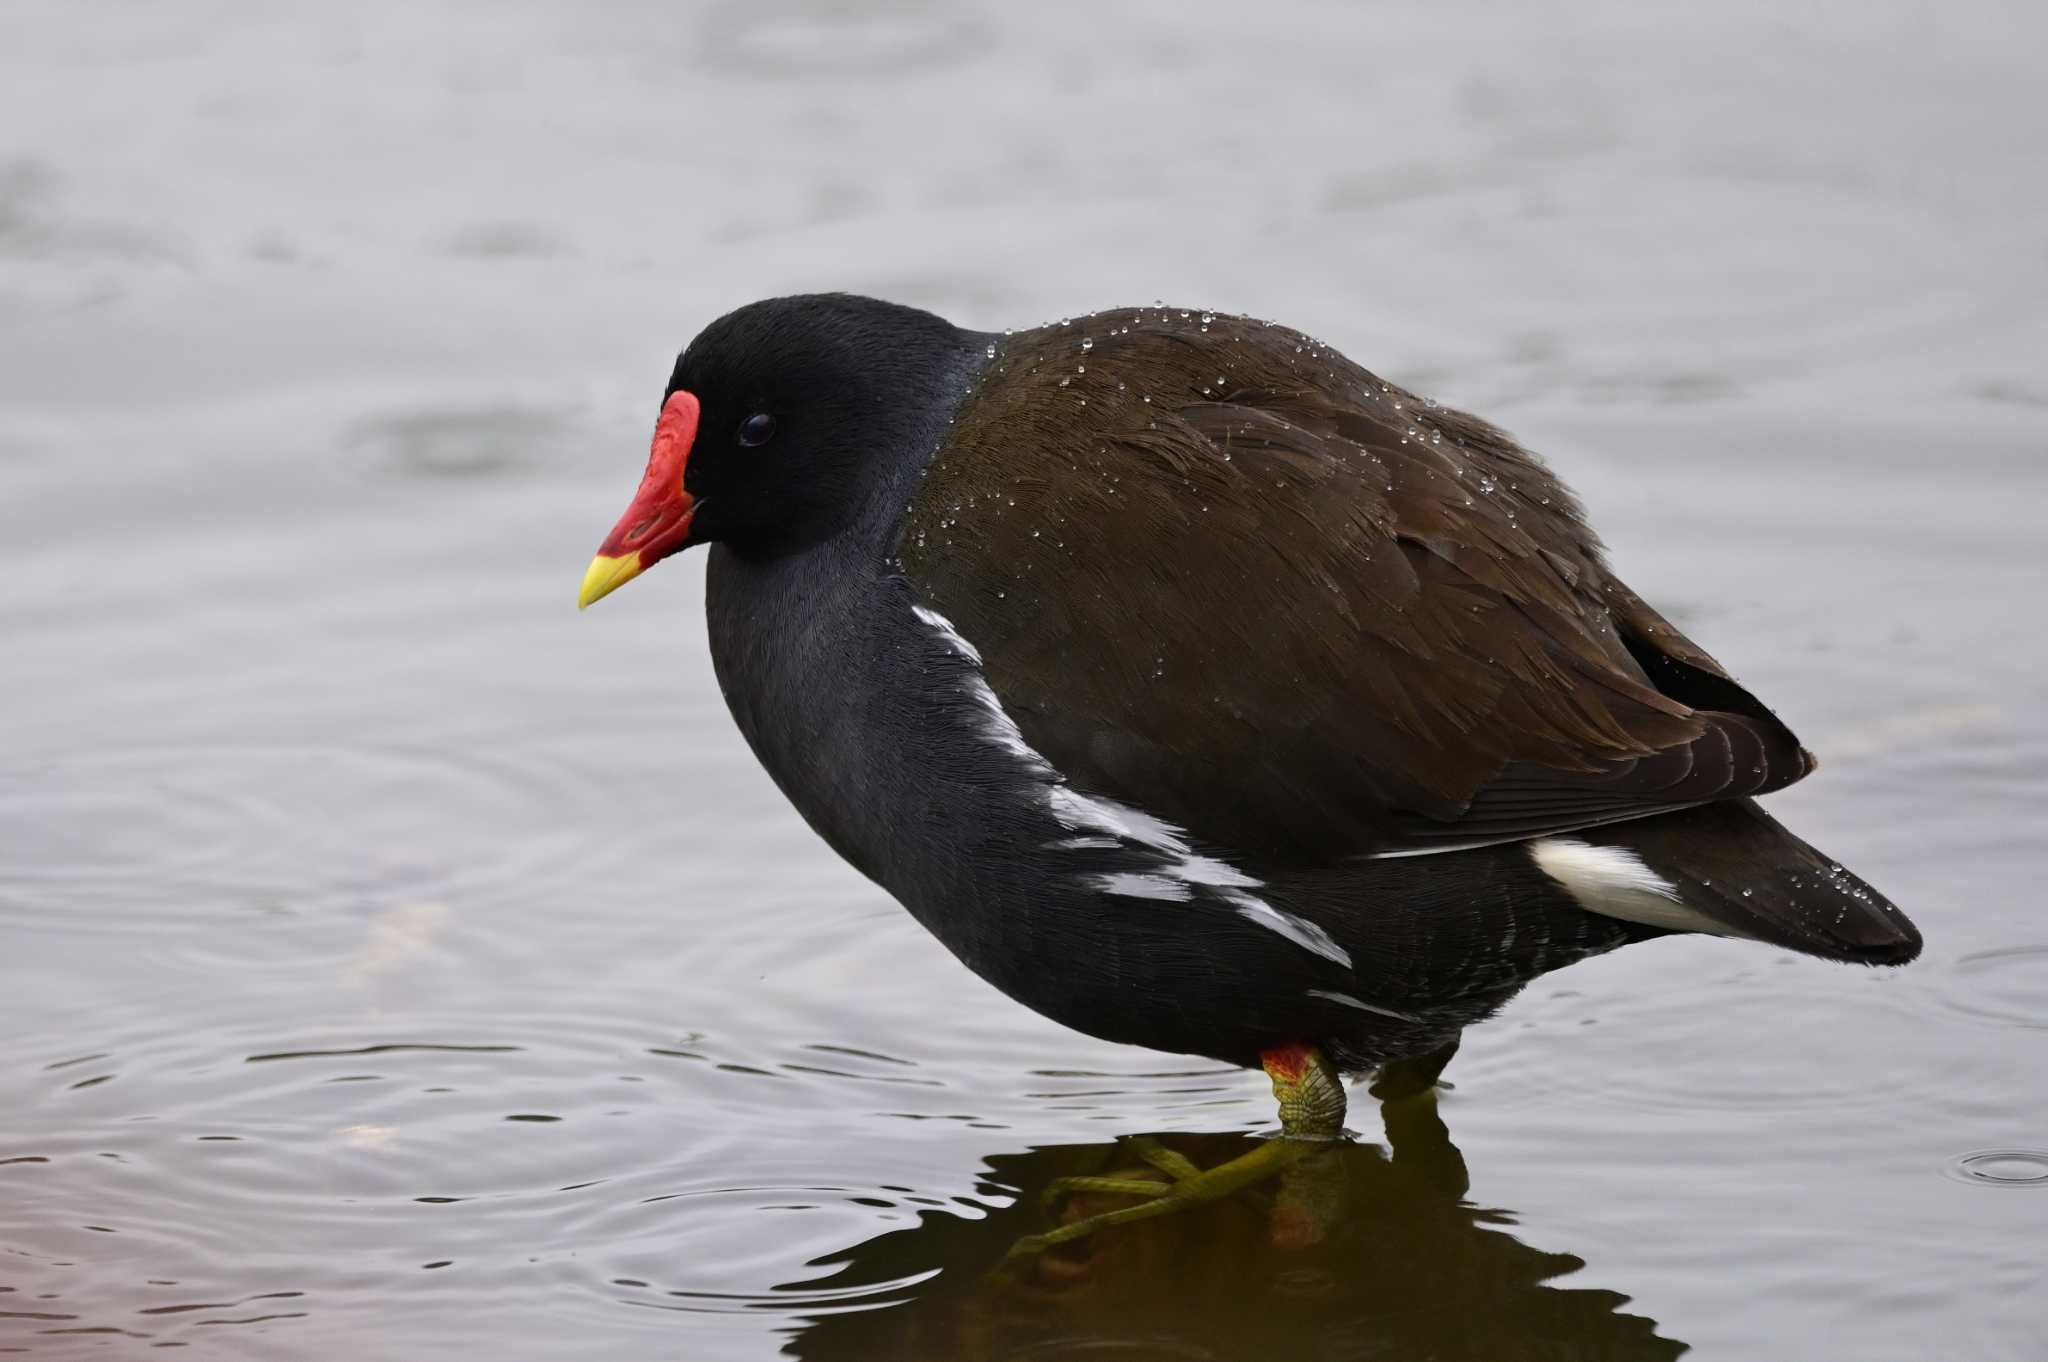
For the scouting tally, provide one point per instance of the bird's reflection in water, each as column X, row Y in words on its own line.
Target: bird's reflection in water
column 1354, row 1253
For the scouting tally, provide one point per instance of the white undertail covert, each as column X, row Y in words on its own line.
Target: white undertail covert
column 1615, row 882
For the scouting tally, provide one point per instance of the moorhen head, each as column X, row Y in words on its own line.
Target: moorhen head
column 770, row 425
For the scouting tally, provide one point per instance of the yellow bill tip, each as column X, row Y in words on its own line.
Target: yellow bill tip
column 606, row 575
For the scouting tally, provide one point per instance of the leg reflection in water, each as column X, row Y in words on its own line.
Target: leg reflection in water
column 1346, row 1251
column 1310, row 1092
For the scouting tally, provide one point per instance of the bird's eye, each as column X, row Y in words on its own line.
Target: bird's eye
column 757, row 429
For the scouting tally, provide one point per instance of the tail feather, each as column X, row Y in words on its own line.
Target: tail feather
column 1731, row 869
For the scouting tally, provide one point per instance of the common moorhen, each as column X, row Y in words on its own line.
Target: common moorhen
column 1204, row 691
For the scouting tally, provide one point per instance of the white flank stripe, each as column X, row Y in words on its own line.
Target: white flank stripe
column 1299, row 930
column 953, row 637
column 1361, row 1005
column 1614, row 882
column 1076, row 810
column 1183, row 867
column 996, row 721
column 1135, row 885
column 1436, row 849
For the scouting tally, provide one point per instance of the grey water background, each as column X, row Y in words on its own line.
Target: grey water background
column 395, row 963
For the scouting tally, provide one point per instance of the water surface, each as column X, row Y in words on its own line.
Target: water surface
column 395, row 963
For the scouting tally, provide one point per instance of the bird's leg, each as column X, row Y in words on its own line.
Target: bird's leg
column 1177, row 1167
column 1311, row 1096
column 1160, row 1198
column 1309, row 1089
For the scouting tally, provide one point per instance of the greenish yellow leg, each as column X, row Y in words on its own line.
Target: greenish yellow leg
column 1311, row 1096
column 1161, row 1198
column 1059, row 1189
column 1174, row 1165
column 1309, row 1089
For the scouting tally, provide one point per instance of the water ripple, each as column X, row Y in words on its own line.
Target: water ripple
column 164, row 835
column 2007, row 985
column 2003, row 1168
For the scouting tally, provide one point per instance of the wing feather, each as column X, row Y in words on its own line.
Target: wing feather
column 1233, row 579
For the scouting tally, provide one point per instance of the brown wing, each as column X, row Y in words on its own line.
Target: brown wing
column 1227, row 576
